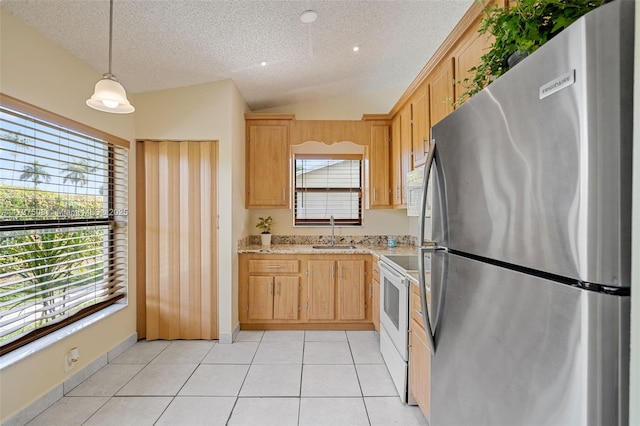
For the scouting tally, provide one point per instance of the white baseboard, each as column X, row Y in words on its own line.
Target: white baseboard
column 227, row 338
column 47, row 400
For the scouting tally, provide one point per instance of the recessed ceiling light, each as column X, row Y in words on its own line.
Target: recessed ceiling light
column 263, row 63
column 356, row 48
column 308, row 16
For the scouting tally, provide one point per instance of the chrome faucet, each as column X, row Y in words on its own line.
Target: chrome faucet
column 333, row 230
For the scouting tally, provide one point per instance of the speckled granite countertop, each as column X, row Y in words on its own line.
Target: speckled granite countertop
column 376, row 250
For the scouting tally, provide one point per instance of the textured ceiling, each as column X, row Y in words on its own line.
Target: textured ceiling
column 159, row 44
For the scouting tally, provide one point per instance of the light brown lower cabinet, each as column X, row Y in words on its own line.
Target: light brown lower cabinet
column 305, row 291
column 419, row 357
column 286, row 298
column 260, row 298
column 273, row 297
column 375, row 295
column 272, row 289
column 351, row 301
column 419, row 367
column 321, row 293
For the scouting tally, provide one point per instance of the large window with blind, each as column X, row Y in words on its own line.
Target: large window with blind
column 325, row 186
column 63, row 223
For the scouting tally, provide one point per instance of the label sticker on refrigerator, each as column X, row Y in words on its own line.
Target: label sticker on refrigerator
column 557, row 84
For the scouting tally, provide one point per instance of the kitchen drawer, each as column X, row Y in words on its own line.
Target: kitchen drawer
column 417, row 331
column 416, row 309
column 416, row 305
column 280, row 266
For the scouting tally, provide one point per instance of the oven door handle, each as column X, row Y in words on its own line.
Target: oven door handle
column 392, row 272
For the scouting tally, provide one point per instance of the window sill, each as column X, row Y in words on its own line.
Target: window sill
column 46, row 341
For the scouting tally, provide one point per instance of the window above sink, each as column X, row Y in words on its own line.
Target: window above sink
column 327, row 185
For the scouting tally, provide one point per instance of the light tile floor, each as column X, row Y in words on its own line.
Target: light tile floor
column 324, row 378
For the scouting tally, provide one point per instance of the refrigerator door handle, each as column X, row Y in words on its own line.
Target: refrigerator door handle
column 425, row 182
column 423, row 299
column 421, row 269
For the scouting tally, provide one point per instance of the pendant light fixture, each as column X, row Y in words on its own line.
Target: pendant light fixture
column 109, row 95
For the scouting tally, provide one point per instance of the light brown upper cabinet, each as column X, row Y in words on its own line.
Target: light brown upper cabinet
column 401, row 154
column 441, row 92
column 396, row 163
column 329, row 131
column 379, row 156
column 267, row 166
column 420, row 125
column 406, row 150
column 432, row 94
column 471, row 47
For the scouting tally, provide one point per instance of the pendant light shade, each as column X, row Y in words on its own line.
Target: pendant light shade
column 109, row 95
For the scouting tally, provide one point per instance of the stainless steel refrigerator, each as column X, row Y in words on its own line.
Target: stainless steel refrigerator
column 531, row 216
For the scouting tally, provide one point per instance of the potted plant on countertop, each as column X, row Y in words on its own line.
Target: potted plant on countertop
column 265, row 223
column 518, row 31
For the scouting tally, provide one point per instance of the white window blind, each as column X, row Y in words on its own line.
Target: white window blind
column 328, row 186
column 63, row 226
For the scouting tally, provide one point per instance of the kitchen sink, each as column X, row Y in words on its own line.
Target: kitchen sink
column 350, row 247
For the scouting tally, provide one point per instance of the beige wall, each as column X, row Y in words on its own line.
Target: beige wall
column 37, row 71
column 239, row 215
column 212, row 111
column 344, row 108
column 376, row 222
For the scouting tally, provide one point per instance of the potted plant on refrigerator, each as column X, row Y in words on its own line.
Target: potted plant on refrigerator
column 518, row 31
column 265, row 223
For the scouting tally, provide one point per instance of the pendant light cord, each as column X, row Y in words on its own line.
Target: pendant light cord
column 110, row 32
column 109, row 95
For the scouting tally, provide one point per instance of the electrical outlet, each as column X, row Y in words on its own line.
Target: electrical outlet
column 71, row 358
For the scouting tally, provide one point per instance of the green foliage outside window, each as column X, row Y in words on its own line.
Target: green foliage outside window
column 47, row 265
